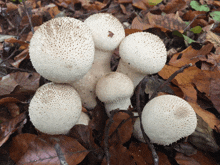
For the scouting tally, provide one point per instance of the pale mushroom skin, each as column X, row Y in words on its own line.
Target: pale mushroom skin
column 107, row 32
column 83, row 119
column 62, row 49
column 141, row 53
column 55, row 108
column 168, row 118
column 137, row 131
column 115, row 90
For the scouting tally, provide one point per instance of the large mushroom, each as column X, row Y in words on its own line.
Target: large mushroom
column 166, row 119
column 107, row 32
column 62, row 50
column 141, row 53
column 55, row 108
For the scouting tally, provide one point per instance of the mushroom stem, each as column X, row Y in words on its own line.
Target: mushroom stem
column 122, row 104
column 86, row 86
column 136, row 77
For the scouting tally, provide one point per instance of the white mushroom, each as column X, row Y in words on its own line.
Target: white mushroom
column 115, row 90
column 141, row 54
column 168, row 118
column 62, row 50
column 55, row 108
column 137, row 131
column 83, row 119
column 107, row 34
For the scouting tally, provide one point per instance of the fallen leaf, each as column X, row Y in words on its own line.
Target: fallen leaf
column 119, row 155
column 9, row 127
column 197, row 159
column 203, row 137
column 189, row 55
column 40, row 149
column 26, row 82
column 142, row 155
column 215, row 93
column 207, row 116
column 123, row 133
column 140, row 24
column 20, row 57
column 174, row 5
column 213, row 38
column 169, row 21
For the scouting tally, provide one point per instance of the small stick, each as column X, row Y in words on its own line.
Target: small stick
column 146, row 138
column 29, row 18
column 191, row 22
column 169, row 80
column 17, row 69
column 60, row 154
column 107, row 129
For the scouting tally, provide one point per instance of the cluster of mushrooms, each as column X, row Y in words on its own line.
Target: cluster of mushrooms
column 76, row 57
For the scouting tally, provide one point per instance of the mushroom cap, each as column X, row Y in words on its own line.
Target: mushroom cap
column 113, row 87
column 144, row 52
column 62, row 49
column 55, row 108
column 168, row 118
column 107, row 31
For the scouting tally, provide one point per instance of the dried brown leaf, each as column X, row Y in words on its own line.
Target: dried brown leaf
column 119, row 155
column 168, row 22
column 189, row 55
column 40, row 149
column 27, row 82
column 215, row 93
column 142, row 155
column 213, row 38
column 20, row 57
column 174, row 5
column 197, row 159
column 9, row 127
column 207, row 116
column 123, row 133
column 140, row 24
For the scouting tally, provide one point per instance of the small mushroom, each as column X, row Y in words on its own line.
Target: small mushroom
column 107, row 32
column 166, row 119
column 62, row 50
column 141, row 53
column 55, row 108
column 115, row 90
column 83, row 119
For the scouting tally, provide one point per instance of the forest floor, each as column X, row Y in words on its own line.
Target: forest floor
column 190, row 31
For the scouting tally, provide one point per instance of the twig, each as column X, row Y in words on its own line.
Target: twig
column 191, row 22
column 169, row 80
column 29, row 18
column 12, row 54
column 17, row 69
column 122, row 122
column 60, row 154
column 147, row 140
column 107, row 129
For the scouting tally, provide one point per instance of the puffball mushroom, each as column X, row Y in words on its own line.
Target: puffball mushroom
column 115, row 90
column 107, row 32
column 141, row 53
column 83, row 119
column 62, row 49
column 55, row 108
column 168, row 118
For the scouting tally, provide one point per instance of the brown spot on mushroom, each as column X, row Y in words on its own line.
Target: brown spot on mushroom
column 110, row 34
column 181, row 113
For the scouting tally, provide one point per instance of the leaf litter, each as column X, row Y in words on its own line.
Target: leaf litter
column 173, row 21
